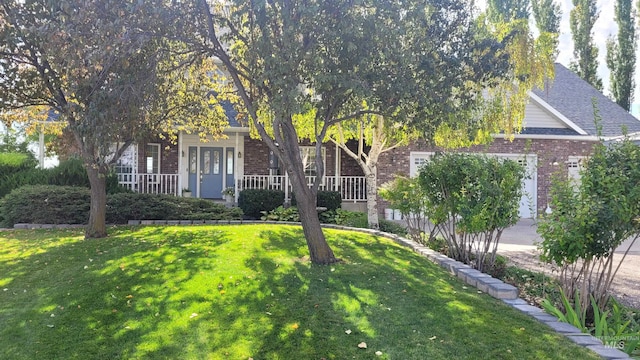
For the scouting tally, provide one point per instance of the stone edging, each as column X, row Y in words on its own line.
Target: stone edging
column 483, row 282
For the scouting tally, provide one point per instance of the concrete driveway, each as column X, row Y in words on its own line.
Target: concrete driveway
column 523, row 236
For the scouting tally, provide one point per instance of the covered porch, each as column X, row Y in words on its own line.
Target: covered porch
column 209, row 169
column 351, row 188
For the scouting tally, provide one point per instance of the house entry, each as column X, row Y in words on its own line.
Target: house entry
column 211, row 172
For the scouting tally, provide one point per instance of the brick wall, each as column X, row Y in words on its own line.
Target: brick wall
column 168, row 156
column 256, row 159
column 547, row 151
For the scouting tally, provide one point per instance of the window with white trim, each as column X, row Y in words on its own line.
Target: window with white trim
column 308, row 155
column 152, row 158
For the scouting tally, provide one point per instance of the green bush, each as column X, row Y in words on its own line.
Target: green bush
column 70, row 172
column 45, row 204
column 133, row 206
column 392, row 227
column 351, row 218
column 282, row 214
column 470, row 199
column 332, row 200
column 254, row 201
column 50, row 204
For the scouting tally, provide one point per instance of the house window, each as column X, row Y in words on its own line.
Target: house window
column 308, row 155
column 152, row 156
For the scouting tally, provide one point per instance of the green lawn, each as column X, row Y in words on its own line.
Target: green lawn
column 249, row 291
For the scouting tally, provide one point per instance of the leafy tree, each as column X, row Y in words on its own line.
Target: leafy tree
column 621, row 54
column 471, row 199
column 374, row 136
column 547, row 14
column 318, row 61
column 508, row 10
column 582, row 17
column 587, row 224
column 110, row 71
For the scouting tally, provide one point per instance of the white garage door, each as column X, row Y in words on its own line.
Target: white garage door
column 528, row 203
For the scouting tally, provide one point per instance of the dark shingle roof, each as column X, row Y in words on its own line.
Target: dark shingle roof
column 548, row 131
column 572, row 97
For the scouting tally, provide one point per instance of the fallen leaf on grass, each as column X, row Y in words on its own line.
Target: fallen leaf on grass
column 193, row 315
column 348, row 331
column 433, row 338
column 379, row 353
column 362, row 345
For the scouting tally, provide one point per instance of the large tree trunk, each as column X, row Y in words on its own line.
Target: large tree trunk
column 97, row 214
column 319, row 250
column 372, row 197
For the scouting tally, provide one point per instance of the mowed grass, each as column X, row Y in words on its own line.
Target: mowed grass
column 246, row 291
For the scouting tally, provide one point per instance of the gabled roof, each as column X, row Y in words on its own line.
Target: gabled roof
column 571, row 97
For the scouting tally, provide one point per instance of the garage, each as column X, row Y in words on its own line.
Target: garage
column 528, row 203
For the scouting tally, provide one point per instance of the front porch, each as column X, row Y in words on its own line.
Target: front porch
column 351, row 188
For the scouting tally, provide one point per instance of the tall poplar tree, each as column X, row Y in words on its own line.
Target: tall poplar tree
column 547, row 14
column 621, row 55
column 582, row 17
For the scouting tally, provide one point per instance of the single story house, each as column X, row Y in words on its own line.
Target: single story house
column 559, row 130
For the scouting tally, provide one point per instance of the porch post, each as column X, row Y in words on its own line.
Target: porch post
column 235, row 169
column 180, row 160
column 337, row 166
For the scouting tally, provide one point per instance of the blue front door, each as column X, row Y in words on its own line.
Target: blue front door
column 211, row 172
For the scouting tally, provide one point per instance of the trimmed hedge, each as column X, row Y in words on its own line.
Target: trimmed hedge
column 49, row 204
column 127, row 206
column 332, row 200
column 45, row 204
column 254, row 201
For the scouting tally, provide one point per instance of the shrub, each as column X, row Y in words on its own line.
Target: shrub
column 282, row 214
column 351, row 219
column 72, row 172
column 405, row 194
column 332, row 200
column 470, row 199
column 133, row 206
column 45, row 204
column 392, row 227
column 49, row 204
column 254, row 201
column 589, row 222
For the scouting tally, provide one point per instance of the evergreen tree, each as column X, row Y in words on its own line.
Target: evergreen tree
column 582, row 17
column 621, row 55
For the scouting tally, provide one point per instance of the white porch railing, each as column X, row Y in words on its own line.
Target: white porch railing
column 352, row 188
column 150, row 183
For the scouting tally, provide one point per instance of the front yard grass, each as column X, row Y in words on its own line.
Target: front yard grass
column 247, row 291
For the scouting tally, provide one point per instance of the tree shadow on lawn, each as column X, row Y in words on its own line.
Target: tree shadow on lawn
column 394, row 300
column 126, row 296
column 194, row 292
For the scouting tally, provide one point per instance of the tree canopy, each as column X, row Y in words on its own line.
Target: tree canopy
column 110, row 70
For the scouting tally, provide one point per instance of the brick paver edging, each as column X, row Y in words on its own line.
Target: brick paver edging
column 483, row 282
